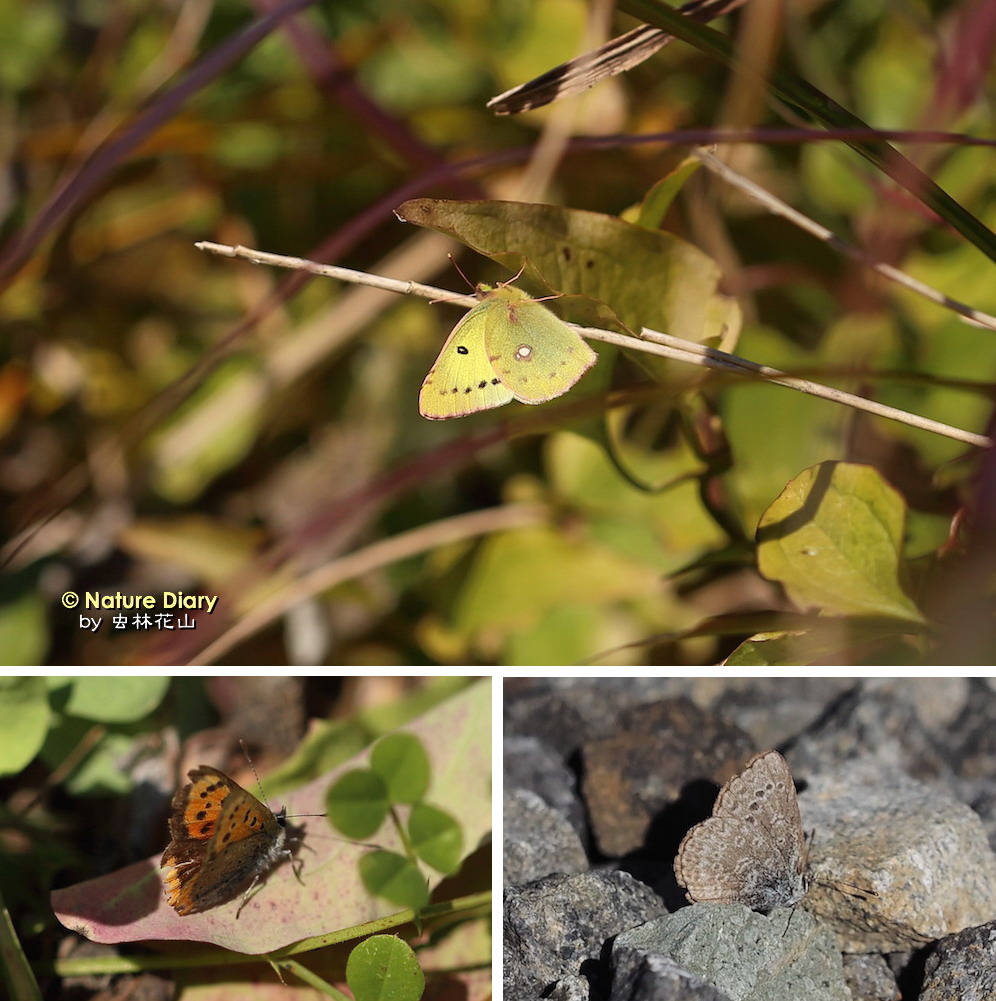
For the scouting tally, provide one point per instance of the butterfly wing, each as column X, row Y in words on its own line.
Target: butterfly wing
column 196, row 808
column 764, row 788
column 534, row 354
column 462, row 380
column 717, row 862
column 247, row 841
column 243, row 819
column 726, row 861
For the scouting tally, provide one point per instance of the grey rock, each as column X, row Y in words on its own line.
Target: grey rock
column 939, row 730
column 748, row 956
column 562, row 714
column 898, row 863
column 631, row 776
column 985, row 806
column 963, row 967
column 771, row 710
column 639, row 975
column 895, row 863
column 970, row 746
column 936, row 702
column 876, row 721
column 570, row 989
column 870, row 979
column 531, row 764
column 556, row 924
column 537, row 840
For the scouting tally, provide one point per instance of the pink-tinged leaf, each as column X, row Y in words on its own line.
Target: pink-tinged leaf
column 129, row 905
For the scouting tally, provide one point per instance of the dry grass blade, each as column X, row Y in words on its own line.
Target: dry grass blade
column 616, row 56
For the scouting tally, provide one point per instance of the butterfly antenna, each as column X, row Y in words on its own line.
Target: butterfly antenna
column 260, row 784
column 848, row 889
column 252, row 765
column 511, row 280
column 461, row 271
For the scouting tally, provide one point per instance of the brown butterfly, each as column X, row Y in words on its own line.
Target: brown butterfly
column 222, row 841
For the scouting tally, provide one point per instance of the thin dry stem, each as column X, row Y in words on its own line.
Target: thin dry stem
column 778, row 207
column 650, row 341
column 379, row 554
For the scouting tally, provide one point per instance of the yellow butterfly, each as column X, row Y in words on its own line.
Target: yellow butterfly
column 508, row 347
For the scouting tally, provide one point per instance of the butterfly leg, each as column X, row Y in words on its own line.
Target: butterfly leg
column 297, row 864
column 245, row 896
column 286, row 853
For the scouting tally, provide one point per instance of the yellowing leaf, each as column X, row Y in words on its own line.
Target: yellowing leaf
column 833, row 539
column 643, row 277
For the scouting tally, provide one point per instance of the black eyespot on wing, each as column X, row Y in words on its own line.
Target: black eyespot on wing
column 461, row 350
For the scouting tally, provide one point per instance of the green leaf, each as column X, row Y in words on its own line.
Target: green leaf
column 384, row 968
column 357, row 803
column 436, row 837
column 395, row 878
column 23, row 631
column 24, row 719
column 423, row 69
column 564, row 635
column 327, row 743
column 659, row 197
column 766, row 650
column 388, row 716
column 400, row 760
column 115, row 700
column 100, row 773
column 833, row 540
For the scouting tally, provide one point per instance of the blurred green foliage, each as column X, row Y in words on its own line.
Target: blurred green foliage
column 174, row 421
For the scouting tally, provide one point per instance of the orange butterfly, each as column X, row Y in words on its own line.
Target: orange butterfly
column 222, row 841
